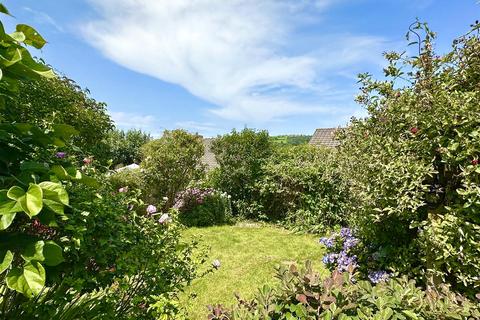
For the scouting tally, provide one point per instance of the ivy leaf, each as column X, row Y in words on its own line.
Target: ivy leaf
column 28, row 280
column 53, row 253
column 6, row 260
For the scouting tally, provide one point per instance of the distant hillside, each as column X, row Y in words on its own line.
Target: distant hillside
column 291, row 139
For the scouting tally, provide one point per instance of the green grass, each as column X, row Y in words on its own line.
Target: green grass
column 248, row 254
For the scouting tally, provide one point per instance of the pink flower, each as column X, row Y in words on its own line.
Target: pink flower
column 87, row 161
column 123, row 189
column 475, row 162
column 164, row 219
column 151, row 209
column 414, row 130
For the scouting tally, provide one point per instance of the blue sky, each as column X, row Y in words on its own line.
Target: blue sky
column 208, row 66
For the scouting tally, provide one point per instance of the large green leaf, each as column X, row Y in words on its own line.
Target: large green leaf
column 34, row 166
column 6, row 220
column 54, row 191
column 6, row 259
column 53, row 253
column 32, row 37
column 64, row 131
column 15, row 193
column 55, row 206
column 28, row 280
column 34, row 251
column 33, row 200
column 60, row 172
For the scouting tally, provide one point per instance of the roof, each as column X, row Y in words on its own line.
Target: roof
column 324, row 137
column 208, row 158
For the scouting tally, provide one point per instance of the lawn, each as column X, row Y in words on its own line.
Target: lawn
column 248, row 253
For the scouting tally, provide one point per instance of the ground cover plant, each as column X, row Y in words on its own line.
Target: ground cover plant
column 247, row 254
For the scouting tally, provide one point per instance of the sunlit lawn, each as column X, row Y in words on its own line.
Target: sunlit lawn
column 248, row 254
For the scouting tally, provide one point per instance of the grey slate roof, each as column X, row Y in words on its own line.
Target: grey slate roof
column 324, row 137
column 208, row 158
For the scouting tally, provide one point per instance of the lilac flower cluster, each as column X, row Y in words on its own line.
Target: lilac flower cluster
column 378, row 276
column 186, row 200
column 340, row 245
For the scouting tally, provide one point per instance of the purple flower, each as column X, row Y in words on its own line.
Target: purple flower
column 350, row 242
column 61, row 155
column 164, row 218
column 216, row 263
column 151, row 209
column 344, row 260
column 378, row 276
column 330, row 258
column 346, row 233
column 328, row 242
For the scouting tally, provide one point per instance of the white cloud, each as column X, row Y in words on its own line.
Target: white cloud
column 43, row 18
column 230, row 53
column 130, row 120
column 205, row 128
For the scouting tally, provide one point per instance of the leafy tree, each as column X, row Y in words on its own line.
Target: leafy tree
column 291, row 139
column 124, row 146
column 45, row 101
column 240, row 156
column 170, row 164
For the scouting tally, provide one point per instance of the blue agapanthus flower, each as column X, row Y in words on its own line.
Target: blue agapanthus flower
column 329, row 258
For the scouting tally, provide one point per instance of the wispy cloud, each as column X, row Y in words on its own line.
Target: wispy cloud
column 130, row 120
column 233, row 54
column 43, row 18
column 204, row 128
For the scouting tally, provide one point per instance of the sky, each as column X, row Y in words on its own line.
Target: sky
column 208, row 66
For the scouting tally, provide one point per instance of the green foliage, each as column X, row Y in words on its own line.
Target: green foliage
column 300, row 184
column 70, row 248
column 131, row 179
column 44, row 102
column 306, row 295
column 240, row 156
column 170, row 164
column 290, row 139
column 124, row 146
column 203, row 207
column 412, row 164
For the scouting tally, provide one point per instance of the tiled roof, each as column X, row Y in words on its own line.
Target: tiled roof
column 324, row 137
column 208, row 158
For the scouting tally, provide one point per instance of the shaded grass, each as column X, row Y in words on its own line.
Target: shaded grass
column 248, row 254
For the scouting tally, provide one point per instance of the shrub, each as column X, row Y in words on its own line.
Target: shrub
column 203, row 207
column 301, row 184
column 240, row 156
column 130, row 179
column 124, row 146
column 412, row 164
column 307, row 295
column 170, row 164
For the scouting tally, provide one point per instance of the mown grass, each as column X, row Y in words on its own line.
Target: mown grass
column 248, row 253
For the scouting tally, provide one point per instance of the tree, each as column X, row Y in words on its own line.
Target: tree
column 170, row 164
column 47, row 101
column 240, row 156
column 124, row 146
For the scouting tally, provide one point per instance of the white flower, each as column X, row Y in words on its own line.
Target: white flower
column 164, row 218
column 165, row 198
column 216, row 263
